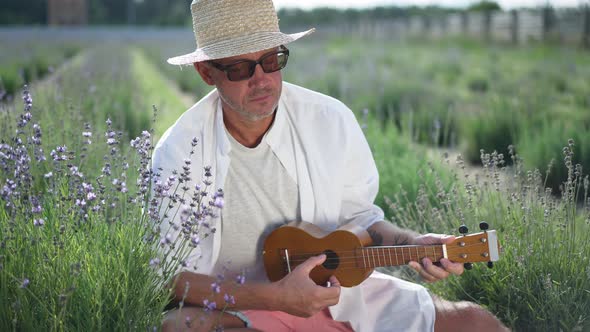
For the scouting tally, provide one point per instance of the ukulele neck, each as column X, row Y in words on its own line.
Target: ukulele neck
column 372, row 257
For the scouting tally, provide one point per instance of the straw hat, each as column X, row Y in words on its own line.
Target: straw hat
column 225, row 28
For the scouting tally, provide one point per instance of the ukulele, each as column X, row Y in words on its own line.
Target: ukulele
column 351, row 258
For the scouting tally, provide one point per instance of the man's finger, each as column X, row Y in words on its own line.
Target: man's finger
column 448, row 238
column 312, row 262
column 454, row 268
column 423, row 273
column 428, row 277
column 332, row 293
column 334, row 282
column 434, row 270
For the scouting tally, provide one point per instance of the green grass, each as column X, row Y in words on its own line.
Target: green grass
column 154, row 89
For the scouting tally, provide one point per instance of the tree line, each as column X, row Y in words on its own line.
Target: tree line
column 176, row 12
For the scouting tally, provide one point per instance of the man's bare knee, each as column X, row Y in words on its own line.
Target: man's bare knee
column 464, row 316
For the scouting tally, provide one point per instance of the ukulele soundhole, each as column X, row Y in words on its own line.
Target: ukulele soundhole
column 332, row 260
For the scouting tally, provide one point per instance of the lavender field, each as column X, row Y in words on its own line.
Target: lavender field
column 79, row 232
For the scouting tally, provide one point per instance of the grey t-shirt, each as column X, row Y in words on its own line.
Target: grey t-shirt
column 259, row 197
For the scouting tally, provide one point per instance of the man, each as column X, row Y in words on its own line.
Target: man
column 284, row 153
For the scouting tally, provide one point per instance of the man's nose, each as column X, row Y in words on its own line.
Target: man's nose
column 259, row 75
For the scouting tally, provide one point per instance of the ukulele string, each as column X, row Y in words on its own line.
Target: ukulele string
column 296, row 257
column 397, row 248
column 410, row 249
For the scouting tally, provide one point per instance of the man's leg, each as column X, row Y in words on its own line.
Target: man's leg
column 195, row 319
column 464, row 316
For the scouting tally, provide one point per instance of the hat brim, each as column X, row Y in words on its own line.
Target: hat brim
column 237, row 46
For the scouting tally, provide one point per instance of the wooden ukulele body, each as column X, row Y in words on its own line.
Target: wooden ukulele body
column 341, row 247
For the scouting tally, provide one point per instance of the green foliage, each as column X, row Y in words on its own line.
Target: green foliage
column 19, row 12
column 162, row 94
column 69, row 261
column 494, row 129
column 484, row 6
column 543, row 150
column 186, row 78
column 27, row 63
column 87, row 276
column 402, row 165
column 541, row 281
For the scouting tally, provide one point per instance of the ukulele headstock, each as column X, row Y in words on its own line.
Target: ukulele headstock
column 477, row 247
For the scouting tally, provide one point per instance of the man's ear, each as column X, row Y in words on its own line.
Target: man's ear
column 205, row 71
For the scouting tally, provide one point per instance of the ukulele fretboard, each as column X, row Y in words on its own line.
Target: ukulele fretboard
column 372, row 257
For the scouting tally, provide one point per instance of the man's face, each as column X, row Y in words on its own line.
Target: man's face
column 252, row 99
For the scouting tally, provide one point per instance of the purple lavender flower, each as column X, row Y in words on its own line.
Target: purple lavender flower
column 229, row 299
column 241, row 278
column 209, row 305
column 195, row 240
column 166, row 240
column 87, row 187
column 106, row 170
column 36, row 208
column 219, row 202
column 216, row 288
column 38, row 222
column 90, row 196
column 25, row 283
column 27, row 99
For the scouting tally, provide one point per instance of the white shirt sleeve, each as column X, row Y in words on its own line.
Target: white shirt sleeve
column 361, row 180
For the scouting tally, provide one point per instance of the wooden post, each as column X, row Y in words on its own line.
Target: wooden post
column 464, row 22
column 586, row 34
column 426, row 26
column 547, row 23
column 514, row 27
column 444, row 25
column 487, row 25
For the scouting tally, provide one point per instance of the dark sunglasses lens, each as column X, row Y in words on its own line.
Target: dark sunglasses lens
column 244, row 70
column 239, row 71
column 274, row 62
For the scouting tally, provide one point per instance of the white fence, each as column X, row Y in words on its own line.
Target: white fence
column 568, row 26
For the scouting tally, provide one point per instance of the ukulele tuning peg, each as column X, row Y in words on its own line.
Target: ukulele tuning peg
column 463, row 229
column 484, row 226
column 468, row 266
column 490, row 264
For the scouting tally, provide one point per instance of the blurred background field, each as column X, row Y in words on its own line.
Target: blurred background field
column 465, row 125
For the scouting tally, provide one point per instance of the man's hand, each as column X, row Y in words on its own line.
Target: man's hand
column 427, row 270
column 301, row 296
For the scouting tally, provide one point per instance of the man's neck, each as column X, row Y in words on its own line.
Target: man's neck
column 248, row 133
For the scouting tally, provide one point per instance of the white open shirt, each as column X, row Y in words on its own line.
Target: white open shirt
column 322, row 147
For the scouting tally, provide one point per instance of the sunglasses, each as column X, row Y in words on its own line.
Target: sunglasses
column 244, row 69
